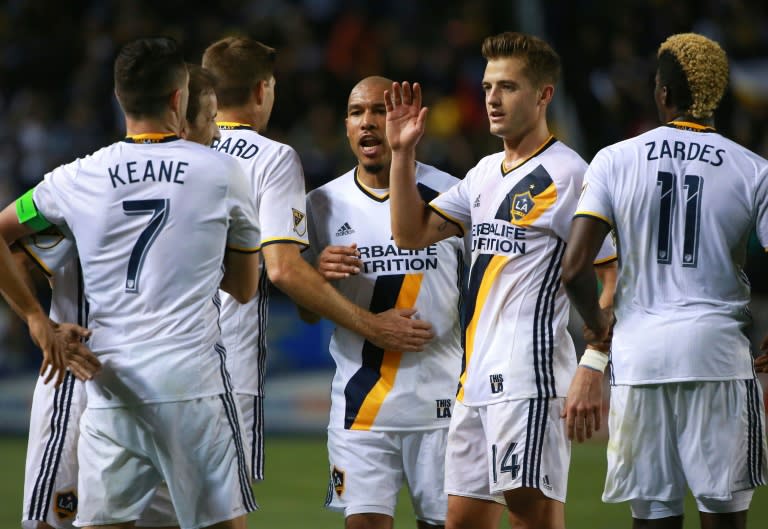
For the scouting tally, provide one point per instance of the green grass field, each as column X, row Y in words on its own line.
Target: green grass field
column 293, row 494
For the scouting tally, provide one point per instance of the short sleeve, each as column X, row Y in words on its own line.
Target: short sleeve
column 51, row 196
column 244, row 234
column 50, row 249
column 595, row 198
column 762, row 208
column 282, row 201
column 310, row 253
column 607, row 251
column 566, row 201
column 454, row 204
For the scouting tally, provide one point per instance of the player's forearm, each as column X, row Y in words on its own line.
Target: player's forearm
column 581, row 286
column 14, row 289
column 607, row 275
column 409, row 215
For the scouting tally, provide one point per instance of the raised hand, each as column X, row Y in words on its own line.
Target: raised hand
column 338, row 262
column 406, row 118
column 399, row 330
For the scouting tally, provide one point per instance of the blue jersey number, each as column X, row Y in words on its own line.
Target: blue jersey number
column 666, row 182
column 159, row 209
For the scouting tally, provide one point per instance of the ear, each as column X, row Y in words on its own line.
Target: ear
column 258, row 91
column 547, row 92
column 175, row 101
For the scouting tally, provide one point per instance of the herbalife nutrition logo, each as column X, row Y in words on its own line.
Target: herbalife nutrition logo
column 345, row 229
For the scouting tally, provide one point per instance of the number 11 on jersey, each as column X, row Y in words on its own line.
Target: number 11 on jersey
column 667, row 184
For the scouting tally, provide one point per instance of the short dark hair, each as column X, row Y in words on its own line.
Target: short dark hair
column 147, row 71
column 695, row 71
column 542, row 63
column 238, row 63
column 201, row 82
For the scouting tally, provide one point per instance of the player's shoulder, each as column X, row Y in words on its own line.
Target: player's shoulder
column 434, row 178
column 562, row 158
column 338, row 186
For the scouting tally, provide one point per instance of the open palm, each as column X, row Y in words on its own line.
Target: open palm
column 406, row 117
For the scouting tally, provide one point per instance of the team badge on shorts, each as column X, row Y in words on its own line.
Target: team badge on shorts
column 522, row 204
column 299, row 222
column 337, row 480
column 66, row 505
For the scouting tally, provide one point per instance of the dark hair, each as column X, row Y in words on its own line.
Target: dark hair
column 542, row 63
column 201, row 82
column 672, row 76
column 238, row 63
column 147, row 71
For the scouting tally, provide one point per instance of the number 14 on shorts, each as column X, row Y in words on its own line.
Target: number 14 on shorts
column 508, row 462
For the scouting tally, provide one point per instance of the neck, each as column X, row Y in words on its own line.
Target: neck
column 163, row 125
column 241, row 114
column 377, row 180
column 520, row 147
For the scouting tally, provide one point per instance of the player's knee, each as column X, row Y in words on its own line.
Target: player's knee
column 368, row 521
column 529, row 508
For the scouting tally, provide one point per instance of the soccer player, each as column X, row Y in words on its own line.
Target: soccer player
column 506, row 435
column 244, row 70
column 390, row 410
column 159, row 223
column 686, row 407
column 50, row 488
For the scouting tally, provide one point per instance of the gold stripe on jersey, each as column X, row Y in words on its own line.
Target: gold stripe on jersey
column 447, row 217
column 39, row 262
column 241, row 249
column 277, row 240
column 492, row 271
column 151, row 137
column 691, row 126
column 530, row 198
column 606, row 260
column 233, row 125
column 370, row 192
column 541, row 148
column 593, row 215
column 406, row 299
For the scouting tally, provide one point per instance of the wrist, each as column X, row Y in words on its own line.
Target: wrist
column 594, row 360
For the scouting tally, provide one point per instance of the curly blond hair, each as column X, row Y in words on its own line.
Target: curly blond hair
column 705, row 67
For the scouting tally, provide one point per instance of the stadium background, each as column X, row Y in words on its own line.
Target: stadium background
column 56, row 104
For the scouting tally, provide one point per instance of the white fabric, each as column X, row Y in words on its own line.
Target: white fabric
column 195, row 445
column 252, row 409
column 517, row 345
column 682, row 222
column 369, row 468
column 276, row 184
column 506, row 446
column 707, row 436
column 389, row 390
column 154, row 319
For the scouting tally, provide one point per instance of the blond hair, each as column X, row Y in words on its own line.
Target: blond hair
column 704, row 66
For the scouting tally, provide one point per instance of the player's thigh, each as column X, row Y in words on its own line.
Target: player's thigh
column 722, row 441
column 643, row 461
column 466, row 457
column 424, row 467
column 160, row 511
column 50, row 476
column 473, row 513
column 366, row 471
column 527, row 447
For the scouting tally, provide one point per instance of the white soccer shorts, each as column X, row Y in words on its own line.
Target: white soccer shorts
column 50, row 479
column 196, row 446
column 708, row 436
column 252, row 408
column 369, row 468
column 506, row 446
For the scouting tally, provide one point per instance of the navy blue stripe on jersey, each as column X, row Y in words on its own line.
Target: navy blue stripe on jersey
column 262, row 312
column 542, row 323
column 544, row 414
column 151, row 138
column 476, row 273
column 46, row 477
column 367, row 192
column 547, row 144
column 230, row 410
column 548, row 325
column 755, row 454
column 385, row 293
column 257, row 436
column 427, row 193
column 535, row 183
column 532, row 433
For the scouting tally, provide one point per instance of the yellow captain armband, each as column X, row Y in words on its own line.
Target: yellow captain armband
column 27, row 213
column 594, row 359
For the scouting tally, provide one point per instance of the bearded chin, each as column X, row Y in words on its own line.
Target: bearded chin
column 373, row 168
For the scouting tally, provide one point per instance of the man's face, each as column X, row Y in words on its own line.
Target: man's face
column 203, row 129
column 512, row 102
column 366, row 121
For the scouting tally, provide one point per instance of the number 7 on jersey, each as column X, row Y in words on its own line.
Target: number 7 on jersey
column 159, row 209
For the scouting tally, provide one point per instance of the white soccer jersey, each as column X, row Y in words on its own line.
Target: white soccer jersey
column 516, row 342
column 151, row 219
column 277, row 188
column 682, row 200
column 375, row 389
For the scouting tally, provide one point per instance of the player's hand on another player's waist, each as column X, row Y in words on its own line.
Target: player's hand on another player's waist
column 761, row 362
column 62, row 348
column 79, row 358
column 600, row 339
column 400, row 330
column 338, row 262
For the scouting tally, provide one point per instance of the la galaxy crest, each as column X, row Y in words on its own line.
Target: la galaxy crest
column 337, row 480
column 66, row 505
column 299, row 222
column 522, row 204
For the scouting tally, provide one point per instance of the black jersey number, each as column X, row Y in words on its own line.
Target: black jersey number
column 693, row 185
column 159, row 209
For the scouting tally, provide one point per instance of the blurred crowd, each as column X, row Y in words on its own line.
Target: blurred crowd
column 56, row 99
